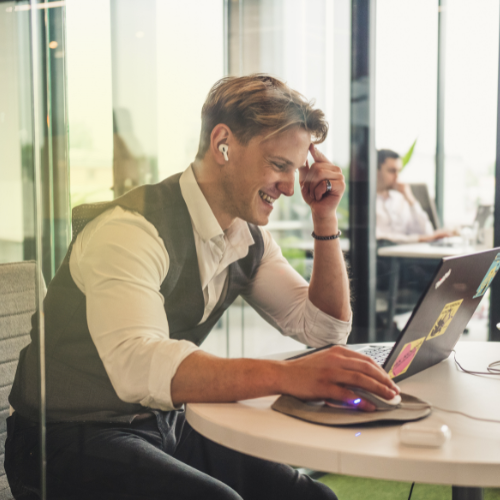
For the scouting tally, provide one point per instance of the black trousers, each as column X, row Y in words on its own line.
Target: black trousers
column 162, row 457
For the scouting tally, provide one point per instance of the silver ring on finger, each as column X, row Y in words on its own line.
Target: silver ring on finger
column 328, row 185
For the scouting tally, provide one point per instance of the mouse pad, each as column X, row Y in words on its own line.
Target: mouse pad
column 410, row 408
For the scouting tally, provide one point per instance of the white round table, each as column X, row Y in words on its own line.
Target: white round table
column 471, row 458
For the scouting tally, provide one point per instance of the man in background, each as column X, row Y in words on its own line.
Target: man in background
column 400, row 218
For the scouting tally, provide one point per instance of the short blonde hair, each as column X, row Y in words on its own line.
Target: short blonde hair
column 255, row 105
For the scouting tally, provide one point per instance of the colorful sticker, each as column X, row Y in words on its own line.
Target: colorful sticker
column 492, row 271
column 406, row 356
column 444, row 319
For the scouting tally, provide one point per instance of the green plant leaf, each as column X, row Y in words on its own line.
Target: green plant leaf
column 407, row 157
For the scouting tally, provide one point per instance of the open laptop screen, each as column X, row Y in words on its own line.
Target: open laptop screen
column 442, row 313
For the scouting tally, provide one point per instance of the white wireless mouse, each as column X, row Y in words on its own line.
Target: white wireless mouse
column 427, row 434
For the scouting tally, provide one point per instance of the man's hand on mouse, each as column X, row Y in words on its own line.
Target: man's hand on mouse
column 314, row 186
column 324, row 375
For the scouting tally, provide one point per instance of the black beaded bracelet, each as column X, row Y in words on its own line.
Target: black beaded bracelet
column 323, row 238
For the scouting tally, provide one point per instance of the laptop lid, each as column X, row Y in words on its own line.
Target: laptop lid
column 442, row 313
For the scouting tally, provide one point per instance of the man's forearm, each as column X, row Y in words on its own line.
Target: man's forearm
column 203, row 378
column 329, row 286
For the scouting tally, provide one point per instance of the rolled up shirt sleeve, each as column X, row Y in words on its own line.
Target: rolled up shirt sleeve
column 281, row 296
column 119, row 265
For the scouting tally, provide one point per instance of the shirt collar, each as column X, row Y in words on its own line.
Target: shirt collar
column 204, row 221
column 391, row 194
column 239, row 237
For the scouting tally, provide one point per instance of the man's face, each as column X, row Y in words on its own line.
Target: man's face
column 387, row 175
column 258, row 173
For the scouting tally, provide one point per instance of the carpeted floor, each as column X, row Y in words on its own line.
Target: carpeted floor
column 358, row 488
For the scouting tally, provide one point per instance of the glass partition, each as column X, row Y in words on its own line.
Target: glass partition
column 406, row 80
column 18, row 254
column 405, row 119
column 407, row 106
column 134, row 99
column 17, row 228
column 306, row 44
column 134, row 103
column 90, row 101
column 471, row 80
column 34, row 205
column 100, row 96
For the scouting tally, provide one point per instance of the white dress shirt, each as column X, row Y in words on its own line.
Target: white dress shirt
column 119, row 262
column 398, row 221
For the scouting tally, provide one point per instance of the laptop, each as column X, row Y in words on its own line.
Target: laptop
column 440, row 317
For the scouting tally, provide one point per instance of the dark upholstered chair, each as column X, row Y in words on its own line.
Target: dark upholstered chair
column 17, row 304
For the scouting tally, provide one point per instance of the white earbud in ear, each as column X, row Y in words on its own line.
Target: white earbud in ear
column 224, row 148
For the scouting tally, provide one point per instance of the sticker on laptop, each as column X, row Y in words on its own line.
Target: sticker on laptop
column 405, row 358
column 492, row 272
column 444, row 319
column 443, row 279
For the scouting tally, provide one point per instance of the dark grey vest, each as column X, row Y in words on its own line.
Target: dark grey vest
column 77, row 385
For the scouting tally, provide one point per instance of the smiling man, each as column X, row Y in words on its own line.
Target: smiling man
column 147, row 277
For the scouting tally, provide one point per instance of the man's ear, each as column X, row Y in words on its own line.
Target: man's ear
column 221, row 135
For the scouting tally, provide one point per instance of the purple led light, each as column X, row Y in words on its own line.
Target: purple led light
column 357, row 401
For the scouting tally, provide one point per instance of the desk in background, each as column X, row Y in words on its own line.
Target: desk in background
column 424, row 251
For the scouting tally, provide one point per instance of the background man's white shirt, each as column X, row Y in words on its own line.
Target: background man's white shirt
column 119, row 262
column 398, row 221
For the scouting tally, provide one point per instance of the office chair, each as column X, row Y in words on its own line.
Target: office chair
column 421, row 193
column 17, row 305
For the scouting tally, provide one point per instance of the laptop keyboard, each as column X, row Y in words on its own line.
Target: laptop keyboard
column 378, row 353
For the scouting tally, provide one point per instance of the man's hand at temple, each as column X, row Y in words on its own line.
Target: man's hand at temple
column 329, row 285
column 314, row 187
